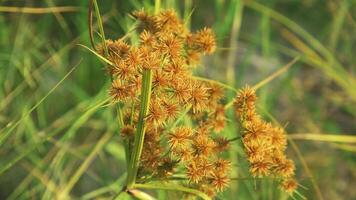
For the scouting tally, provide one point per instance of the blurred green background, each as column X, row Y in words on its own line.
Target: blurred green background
column 56, row 134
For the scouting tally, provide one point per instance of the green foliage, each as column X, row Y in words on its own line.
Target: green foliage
column 58, row 131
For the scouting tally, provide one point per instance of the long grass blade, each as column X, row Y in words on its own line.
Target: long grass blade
column 4, row 136
column 96, row 54
column 84, row 166
column 31, row 10
column 53, row 132
column 275, row 74
column 349, row 138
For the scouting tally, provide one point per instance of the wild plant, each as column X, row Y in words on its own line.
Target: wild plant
column 170, row 120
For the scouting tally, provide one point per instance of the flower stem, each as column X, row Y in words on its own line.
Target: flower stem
column 106, row 53
column 141, row 127
column 157, row 6
column 174, row 187
column 100, row 24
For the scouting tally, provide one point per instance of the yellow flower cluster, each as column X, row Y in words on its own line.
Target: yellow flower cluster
column 171, row 51
column 264, row 143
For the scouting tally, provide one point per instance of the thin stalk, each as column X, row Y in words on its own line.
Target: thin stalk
column 101, row 28
column 141, row 127
column 126, row 141
column 264, row 81
column 90, row 24
column 224, row 85
column 173, row 187
column 97, row 55
column 275, row 74
column 103, row 41
column 234, row 139
column 188, row 4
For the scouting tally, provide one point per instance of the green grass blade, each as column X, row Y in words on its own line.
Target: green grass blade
column 4, row 136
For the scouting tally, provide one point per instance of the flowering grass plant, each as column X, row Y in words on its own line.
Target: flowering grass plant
column 170, row 120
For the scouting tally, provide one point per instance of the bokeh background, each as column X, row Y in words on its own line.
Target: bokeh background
column 55, row 134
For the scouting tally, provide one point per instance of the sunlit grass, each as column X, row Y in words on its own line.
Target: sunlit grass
column 59, row 133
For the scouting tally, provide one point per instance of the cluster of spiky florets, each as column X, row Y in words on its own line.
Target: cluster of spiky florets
column 170, row 51
column 264, row 143
column 199, row 152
